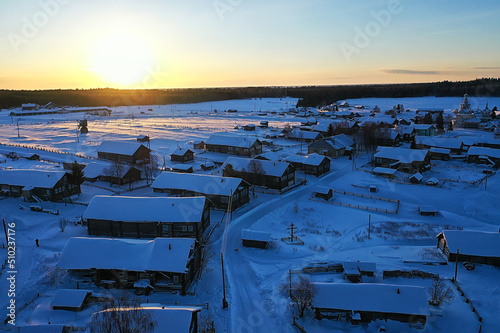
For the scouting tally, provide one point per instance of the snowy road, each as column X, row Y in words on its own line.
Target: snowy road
column 250, row 310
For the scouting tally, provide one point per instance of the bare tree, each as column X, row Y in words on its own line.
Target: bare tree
column 256, row 169
column 439, row 293
column 302, row 293
column 207, row 254
column 150, row 169
column 122, row 314
column 115, row 169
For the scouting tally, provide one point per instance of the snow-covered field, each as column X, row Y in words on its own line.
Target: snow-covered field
column 331, row 233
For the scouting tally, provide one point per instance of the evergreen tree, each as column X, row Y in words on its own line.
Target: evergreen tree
column 440, row 122
column 427, row 119
column 77, row 174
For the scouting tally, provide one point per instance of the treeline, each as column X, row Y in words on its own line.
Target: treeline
column 309, row 96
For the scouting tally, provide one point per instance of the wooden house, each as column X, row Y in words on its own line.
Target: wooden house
column 35, row 185
column 127, row 152
column 416, row 178
column 216, row 189
column 304, row 136
column 182, row 168
column 312, row 164
column 474, row 246
column 425, row 130
column 408, row 133
column 335, row 146
column 385, row 172
column 362, row 302
column 253, row 238
column 484, row 155
column 402, row 159
column 455, row 145
column 147, row 217
column 234, row 145
column 168, row 263
column 182, row 155
column 440, row 154
column 270, row 174
column 122, row 175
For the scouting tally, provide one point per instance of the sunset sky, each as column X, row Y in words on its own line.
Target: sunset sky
column 212, row 43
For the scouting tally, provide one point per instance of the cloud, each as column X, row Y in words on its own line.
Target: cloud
column 493, row 67
column 408, row 71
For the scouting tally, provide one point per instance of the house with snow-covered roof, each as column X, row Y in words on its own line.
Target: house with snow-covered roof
column 425, row 129
column 36, row 185
column 123, row 174
column 365, row 302
column 216, row 189
column 335, row 146
column 234, row 145
column 312, row 164
column 270, row 174
column 147, row 217
column 455, row 145
column 402, row 159
column 474, row 246
column 168, row 263
column 132, row 152
column 304, row 136
column 182, row 155
column 484, row 155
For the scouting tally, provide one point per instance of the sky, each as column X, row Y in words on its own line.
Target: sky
column 59, row 44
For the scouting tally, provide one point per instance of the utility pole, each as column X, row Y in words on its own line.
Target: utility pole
column 224, row 301
column 485, row 182
column 456, row 266
column 18, row 129
column 369, row 224
column 6, row 237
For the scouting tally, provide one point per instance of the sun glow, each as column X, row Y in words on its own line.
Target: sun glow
column 122, row 60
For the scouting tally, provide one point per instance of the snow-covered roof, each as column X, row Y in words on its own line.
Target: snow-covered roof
column 271, row 168
column 261, row 236
column 31, row 178
column 138, row 255
column 272, row 156
column 423, row 126
column 182, row 167
column 336, row 142
column 418, row 176
column 206, row 184
column 311, row 159
column 305, row 135
column 476, row 243
column 231, row 140
column 119, row 147
column 384, row 171
column 145, row 209
column 372, row 297
column 96, row 169
column 69, row 298
column 447, row 143
column 403, row 155
column 355, row 267
column 181, row 151
column 484, row 151
column 440, row 151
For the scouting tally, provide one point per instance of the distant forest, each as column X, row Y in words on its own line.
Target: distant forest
column 308, row 95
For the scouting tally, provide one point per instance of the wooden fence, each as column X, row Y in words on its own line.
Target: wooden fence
column 22, row 307
column 468, row 301
column 373, row 209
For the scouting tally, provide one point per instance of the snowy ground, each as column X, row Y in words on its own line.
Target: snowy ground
column 331, row 233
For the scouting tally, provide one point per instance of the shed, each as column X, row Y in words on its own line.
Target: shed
column 70, row 299
column 200, row 144
column 182, row 168
column 323, row 193
column 385, row 172
column 432, row 181
column 353, row 271
column 427, row 210
column 253, row 238
column 416, row 178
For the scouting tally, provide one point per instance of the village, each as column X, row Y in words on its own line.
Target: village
column 254, row 215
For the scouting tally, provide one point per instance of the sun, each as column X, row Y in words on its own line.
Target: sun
column 121, row 59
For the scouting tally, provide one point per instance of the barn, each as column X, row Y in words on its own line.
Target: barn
column 127, row 152
column 234, row 145
column 147, row 217
column 168, row 263
column 474, row 246
column 253, row 238
column 312, row 164
column 123, row 174
column 362, row 302
column 216, row 189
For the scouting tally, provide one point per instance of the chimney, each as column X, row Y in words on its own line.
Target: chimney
column 170, row 248
column 398, row 291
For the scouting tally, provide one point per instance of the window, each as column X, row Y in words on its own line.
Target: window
column 190, row 228
column 224, row 199
column 165, row 227
column 184, row 228
column 176, row 279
